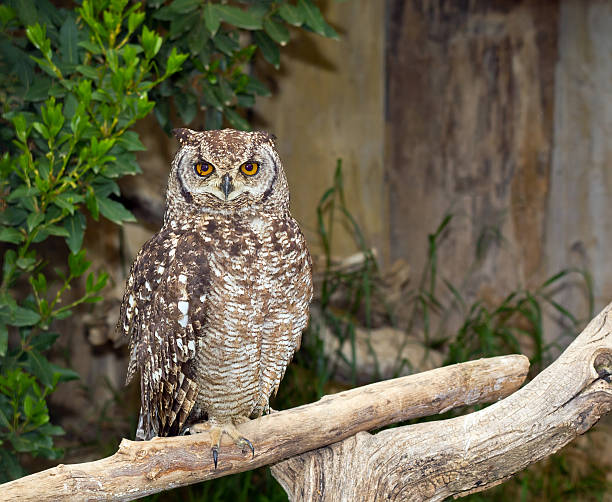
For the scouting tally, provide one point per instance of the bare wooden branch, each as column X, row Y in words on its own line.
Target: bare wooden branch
column 141, row 468
column 435, row 460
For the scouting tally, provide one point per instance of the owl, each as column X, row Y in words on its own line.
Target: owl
column 216, row 301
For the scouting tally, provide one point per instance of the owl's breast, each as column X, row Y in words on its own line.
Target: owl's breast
column 258, row 298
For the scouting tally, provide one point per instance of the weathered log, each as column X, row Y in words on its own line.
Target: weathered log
column 435, row 460
column 141, row 468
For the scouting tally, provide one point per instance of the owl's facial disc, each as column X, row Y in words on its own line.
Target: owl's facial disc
column 227, row 170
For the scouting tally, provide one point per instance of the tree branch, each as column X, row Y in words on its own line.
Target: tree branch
column 435, row 460
column 145, row 467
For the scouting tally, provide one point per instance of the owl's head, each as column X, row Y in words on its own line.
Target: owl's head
column 225, row 171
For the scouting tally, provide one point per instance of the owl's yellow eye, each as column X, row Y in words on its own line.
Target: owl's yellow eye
column 204, row 168
column 249, row 168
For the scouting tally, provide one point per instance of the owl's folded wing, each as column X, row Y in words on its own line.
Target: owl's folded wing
column 163, row 320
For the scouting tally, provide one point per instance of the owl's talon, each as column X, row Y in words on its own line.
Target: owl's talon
column 215, row 454
column 250, row 445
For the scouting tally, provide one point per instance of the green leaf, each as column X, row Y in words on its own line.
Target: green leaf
column 181, row 26
column 197, row 38
column 214, row 119
column 151, row 42
column 68, row 41
column 23, row 317
column 314, row 19
column 277, row 31
column 184, row 6
column 33, row 220
column 39, row 90
column 9, row 466
column 78, row 264
column 210, row 97
column 26, row 263
column 13, row 216
column 57, row 231
column 26, row 10
column 40, row 367
column 3, row 339
column 240, row 18
column 292, row 14
column 245, row 100
column 52, row 430
column 63, row 374
column 131, row 142
column 12, row 235
column 175, row 61
column 75, row 227
column 227, row 45
column 236, row 120
column 186, row 105
column 257, row 86
column 114, row 211
column 268, row 48
column 88, row 72
column 22, row 192
column 135, row 19
column 125, row 165
column 29, row 405
column 92, row 203
column 212, row 18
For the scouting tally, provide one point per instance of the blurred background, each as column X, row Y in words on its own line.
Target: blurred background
column 449, row 164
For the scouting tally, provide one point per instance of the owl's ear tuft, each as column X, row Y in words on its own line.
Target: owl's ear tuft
column 183, row 135
column 269, row 137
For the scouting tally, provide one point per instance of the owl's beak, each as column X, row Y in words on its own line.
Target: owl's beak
column 226, row 185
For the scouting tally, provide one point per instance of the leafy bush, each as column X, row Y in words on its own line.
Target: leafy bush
column 72, row 83
column 216, row 76
column 69, row 143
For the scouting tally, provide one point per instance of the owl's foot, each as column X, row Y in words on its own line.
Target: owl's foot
column 216, row 430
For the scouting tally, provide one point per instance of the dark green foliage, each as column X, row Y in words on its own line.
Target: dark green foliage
column 68, row 100
column 72, row 83
column 216, row 76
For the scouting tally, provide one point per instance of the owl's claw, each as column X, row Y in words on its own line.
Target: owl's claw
column 215, row 454
column 250, row 445
column 216, row 431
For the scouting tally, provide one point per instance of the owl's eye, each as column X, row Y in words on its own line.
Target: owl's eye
column 249, row 168
column 203, row 168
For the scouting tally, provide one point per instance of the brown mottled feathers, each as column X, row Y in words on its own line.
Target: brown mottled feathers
column 217, row 300
column 166, row 283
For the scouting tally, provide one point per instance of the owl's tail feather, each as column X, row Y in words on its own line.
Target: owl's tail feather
column 173, row 405
column 177, row 402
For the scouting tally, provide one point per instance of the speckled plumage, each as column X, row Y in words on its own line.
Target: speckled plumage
column 216, row 301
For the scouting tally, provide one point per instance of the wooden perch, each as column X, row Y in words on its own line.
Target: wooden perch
column 435, row 460
column 145, row 467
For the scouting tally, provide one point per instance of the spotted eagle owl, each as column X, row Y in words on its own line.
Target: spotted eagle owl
column 216, row 301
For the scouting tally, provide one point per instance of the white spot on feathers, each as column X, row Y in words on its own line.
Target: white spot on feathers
column 183, row 306
column 183, row 321
column 182, row 278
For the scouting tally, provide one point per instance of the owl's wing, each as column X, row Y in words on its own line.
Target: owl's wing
column 163, row 312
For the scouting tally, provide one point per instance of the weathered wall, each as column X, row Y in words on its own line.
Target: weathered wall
column 469, row 126
column 579, row 227
column 329, row 105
